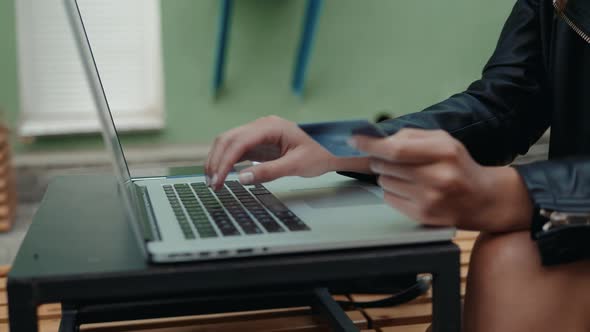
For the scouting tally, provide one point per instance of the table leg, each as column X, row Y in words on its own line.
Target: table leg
column 69, row 320
column 332, row 312
column 22, row 311
column 446, row 300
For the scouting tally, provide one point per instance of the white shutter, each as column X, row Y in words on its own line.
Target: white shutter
column 126, row 39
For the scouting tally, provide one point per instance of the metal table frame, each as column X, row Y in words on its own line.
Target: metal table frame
column 65, row 259
column 153, row 294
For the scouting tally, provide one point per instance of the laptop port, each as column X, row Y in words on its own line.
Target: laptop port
column 245, row 251
column 204, row 254
column 222, row 252
column 180, row 255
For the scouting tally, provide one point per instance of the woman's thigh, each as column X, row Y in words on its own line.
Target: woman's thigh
column 508, row 289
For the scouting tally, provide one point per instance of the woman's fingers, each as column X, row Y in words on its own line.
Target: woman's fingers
column 268, row 171
column 230, row 147
column 235, row 151
column 401, row 204
column 409, row 146
column 399, row 187
column 387, row 168
column 218, row 149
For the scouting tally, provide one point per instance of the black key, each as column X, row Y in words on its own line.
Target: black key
column 259, row 212
column 272, row 203
column 295, row 224
column 272, row 227
column 230, row 232
column 205, row 230
column 251, row 229
column 221, row 219
column 245, row 222
column 282, row 212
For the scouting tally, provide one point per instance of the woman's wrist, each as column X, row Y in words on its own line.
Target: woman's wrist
column 512, row 207
column 358, row 165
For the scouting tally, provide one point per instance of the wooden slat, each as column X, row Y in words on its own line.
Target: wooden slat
column 465, row 245
column 301, row 322
column 465, row 256
column 341, row 298
column 356, row 298
column 3, row 298
column 2, row 284
column 49, row 311
column 406, row 328
column 3, row 314
column 8, row 203
column 4, row 270
column 49, row 325
column 3, row 181
column 5, row 168
column 5, row 226
column 466, row 235
column 464, row 272
column 417, row 313
column 4, row 196
column 214, row 318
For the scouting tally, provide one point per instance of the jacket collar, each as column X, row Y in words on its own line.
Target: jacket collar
column 576, row 11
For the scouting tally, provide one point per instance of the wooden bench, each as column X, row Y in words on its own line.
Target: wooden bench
column 410, row 317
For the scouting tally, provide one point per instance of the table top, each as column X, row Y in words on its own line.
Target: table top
column 80, row 235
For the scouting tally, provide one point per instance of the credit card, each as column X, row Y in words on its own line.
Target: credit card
column 333, row 136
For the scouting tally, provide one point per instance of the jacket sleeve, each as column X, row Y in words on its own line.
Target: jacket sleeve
column 502, row 114
column 562, row 186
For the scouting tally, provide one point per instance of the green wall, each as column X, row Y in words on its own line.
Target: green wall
column 8, row 77
column 369, row 55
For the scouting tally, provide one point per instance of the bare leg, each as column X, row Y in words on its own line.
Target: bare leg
column 509, row 290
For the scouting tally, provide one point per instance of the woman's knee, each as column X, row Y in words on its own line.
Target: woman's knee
column 503, row 254
column 507, row 283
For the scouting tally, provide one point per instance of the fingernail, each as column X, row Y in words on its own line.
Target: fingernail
column 207, row 180
column 351, row 142
column 246, row 178
column 213, row 180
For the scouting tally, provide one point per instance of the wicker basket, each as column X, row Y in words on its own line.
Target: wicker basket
column 7, row 182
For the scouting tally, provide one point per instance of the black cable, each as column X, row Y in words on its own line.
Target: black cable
column 421, row 286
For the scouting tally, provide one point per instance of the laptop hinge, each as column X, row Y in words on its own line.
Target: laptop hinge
column 147, row 219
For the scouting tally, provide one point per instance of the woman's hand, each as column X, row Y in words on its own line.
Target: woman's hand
column 429, row 176
column 282, row 147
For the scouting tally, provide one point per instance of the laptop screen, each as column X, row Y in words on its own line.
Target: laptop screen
column 108, row 129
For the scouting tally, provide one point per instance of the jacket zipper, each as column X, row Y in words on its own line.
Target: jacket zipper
column 569, row 22
column 558, row 218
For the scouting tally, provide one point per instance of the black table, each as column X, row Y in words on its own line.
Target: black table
column 80, row 251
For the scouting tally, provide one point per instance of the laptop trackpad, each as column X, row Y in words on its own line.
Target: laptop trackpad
column 334, row 197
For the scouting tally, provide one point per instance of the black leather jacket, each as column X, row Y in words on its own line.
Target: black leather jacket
column 538, row 77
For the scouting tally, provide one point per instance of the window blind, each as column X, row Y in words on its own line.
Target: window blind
column 126, row 39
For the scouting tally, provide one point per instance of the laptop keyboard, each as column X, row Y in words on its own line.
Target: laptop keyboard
column 232, row 211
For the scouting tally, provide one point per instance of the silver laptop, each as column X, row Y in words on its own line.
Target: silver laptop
column 181, row 219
